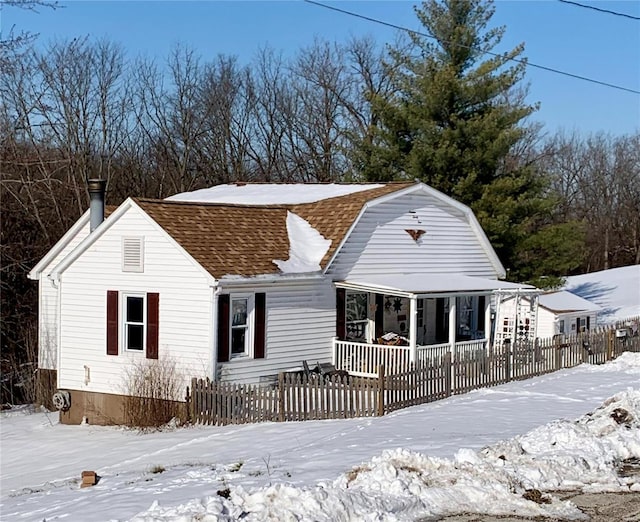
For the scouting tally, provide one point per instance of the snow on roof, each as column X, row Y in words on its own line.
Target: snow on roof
column 428, row 284
column 271, row 193
column 307, row 247
column 564, row 301
column 616, row 291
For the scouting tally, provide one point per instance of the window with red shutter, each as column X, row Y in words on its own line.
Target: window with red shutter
column 112, row 322
column 153, row 316
column 223, row 327
column 259, row 338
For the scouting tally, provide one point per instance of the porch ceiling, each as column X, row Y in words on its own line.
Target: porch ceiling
column 431, row 285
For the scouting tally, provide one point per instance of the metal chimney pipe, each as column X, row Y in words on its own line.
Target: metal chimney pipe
column 96, row 205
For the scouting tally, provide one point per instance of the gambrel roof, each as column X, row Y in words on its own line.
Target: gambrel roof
column 231, row 239
column 246, row 239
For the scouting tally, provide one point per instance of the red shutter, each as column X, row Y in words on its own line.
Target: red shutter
column 260, row 329
column 223, row 328
column 153, row 316
column 341, row 310
column 112, row 322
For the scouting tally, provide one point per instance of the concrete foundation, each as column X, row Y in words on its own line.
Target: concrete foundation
column 98, row 408
column 106, row 409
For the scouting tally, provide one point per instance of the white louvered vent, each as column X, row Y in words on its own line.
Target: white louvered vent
column 132, row 254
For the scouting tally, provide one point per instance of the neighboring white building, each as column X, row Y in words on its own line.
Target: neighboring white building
column 558, row 312
column 242, row 281
column 565, row 313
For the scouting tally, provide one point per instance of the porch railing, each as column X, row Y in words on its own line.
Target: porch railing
column 363, row 359
column 433, row 352
column 466, row 350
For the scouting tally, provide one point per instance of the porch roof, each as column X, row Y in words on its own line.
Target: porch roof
column 409, row 285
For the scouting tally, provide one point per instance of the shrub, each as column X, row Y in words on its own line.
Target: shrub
column 153, row 389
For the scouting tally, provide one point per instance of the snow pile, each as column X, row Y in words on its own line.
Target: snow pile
column 270, row 193
column 307, row 247
column 502, row 479
column 616, row 291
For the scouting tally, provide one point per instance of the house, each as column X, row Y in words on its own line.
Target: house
column 551, row 313
column 615, row 290
column 240, row 282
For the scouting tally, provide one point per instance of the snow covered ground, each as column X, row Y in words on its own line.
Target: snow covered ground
column 616, row 291
column 478, row 452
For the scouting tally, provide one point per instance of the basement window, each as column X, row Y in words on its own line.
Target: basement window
column 132, row 254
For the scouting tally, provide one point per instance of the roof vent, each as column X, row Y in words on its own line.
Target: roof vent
column 132, row 254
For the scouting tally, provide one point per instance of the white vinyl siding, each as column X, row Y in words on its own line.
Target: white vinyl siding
column 48, row 307
column 379, row 243
column 185, row 298
column 300, row 325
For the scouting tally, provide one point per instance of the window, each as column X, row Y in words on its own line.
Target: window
column 582, row 324
column 239, row 325
column 357, row 319
column 421, row 313
column 134, row 322
column 561, row 326
column 465, row 307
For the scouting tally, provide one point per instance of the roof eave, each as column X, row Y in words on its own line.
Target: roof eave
column 36, row 272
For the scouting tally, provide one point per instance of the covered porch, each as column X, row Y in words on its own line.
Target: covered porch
column 394, row 320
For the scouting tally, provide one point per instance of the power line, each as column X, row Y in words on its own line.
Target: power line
column 625, row 15
column 526, row 63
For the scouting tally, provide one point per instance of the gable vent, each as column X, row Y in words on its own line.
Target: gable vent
column 132, row 254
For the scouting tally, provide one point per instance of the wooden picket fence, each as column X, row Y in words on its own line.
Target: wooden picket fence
column 295, row 398
column 312, row 396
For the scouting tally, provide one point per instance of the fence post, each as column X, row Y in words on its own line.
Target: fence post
column 193, row 400
column 448, row 368
column 380, row 390
column 187, row 400
column 281, row 397
column 610, row 338
column 507, row 363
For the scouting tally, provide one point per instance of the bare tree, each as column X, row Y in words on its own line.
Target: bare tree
column 64, row 118
column 13, row 41
column 316, row 138
column 227, row 99
column 598, row 180
column 169, row 116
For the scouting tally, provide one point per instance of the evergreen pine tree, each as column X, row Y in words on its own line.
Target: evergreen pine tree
column 454, row 117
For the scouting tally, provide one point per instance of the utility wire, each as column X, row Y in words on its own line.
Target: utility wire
column 625, row 15
column 526, row 63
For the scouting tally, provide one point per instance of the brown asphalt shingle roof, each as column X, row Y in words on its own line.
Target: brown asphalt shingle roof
column 245, row 239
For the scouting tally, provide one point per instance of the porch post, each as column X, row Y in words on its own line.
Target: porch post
column 453, row 316
column 413, row 328
column 488, row 327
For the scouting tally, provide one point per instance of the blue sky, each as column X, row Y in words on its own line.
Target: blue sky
column 557, row 35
